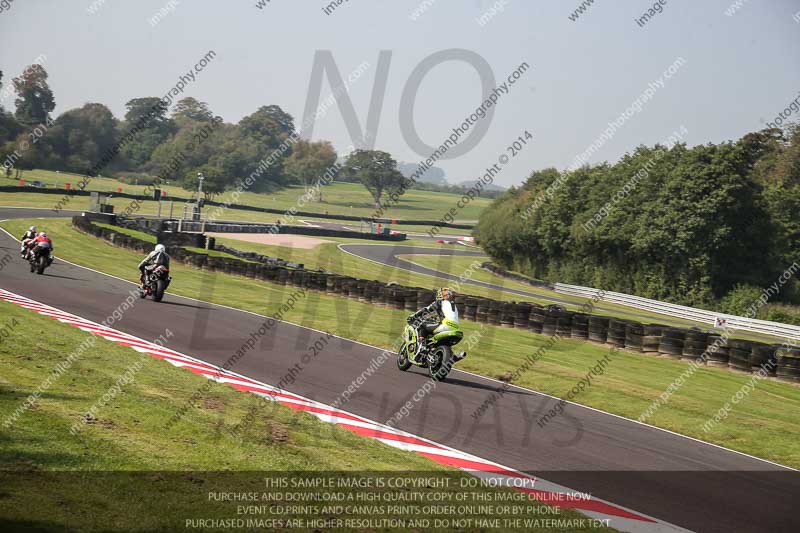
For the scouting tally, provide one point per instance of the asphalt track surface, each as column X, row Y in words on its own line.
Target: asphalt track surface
column 682, row 481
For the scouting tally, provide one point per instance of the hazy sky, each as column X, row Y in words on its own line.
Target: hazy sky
column 739, row 70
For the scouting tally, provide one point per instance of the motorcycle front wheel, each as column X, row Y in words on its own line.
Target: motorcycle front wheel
column 402, row 358
column 41, row 263
column 440, row 362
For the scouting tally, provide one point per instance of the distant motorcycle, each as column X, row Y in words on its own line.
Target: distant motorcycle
column 434, row 353
column 40, row 257
column 156, row 282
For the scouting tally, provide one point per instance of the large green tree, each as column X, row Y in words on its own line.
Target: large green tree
column 34, row 100
column 310, row 162
column 192, row 109
column 80, row 137
column 677, row 224
column 270, row 133
column 149, row 115
column 376, row 170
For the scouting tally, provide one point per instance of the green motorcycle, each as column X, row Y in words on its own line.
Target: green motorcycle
column 434, row 353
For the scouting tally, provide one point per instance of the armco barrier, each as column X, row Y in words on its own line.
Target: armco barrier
column 280, row 229
column 777, row 329
column 553, row 319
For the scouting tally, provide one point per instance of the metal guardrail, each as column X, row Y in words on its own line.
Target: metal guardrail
column 681, row 311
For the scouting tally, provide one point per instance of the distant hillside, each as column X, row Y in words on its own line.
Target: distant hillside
column 434, row 175
column 490, row 187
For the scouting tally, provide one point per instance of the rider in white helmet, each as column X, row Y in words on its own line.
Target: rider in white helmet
column 26, row 240
column 155, row 258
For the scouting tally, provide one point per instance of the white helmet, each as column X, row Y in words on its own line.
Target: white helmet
column 32, row 228
column 160, row 248
column 43, row 234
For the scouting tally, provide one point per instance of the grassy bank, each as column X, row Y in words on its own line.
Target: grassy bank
column 125, row 439
column 339, row 198
column 765, row 424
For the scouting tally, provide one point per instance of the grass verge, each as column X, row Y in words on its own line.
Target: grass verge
column 134, row 474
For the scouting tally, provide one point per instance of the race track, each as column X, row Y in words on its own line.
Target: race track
column 682, row 481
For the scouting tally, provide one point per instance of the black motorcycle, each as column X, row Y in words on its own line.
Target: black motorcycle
column 156, row 281
column 40, row 257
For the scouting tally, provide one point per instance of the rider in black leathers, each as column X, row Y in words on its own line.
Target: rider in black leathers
column 444, row 306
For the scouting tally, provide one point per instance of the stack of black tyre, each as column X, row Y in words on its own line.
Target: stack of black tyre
column 580, row 326
column 598, row 328
column 716, row 351
column 494, row 312
column 549, row 324
column 470, row 308
column 762, row 355
column 482, row 310
column 507, row 314
column 522, row 312
column 616, row 332
column 694, row 345
column 564, row 323
column 788, row 364
column 634, row 335
column 536, row 318
column 739, row 354
column 651, row 337
column 671, row 344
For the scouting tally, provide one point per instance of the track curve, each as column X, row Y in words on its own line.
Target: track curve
column 683, row 481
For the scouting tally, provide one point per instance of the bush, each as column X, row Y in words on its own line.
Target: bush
column 785, row 314
column 739, row 299
column 135, row 178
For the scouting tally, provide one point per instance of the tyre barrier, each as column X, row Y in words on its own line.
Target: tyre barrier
column 651, row 337
column 616, row 332
column 522, row 313
column 762, row 355
column 634, row 336
column 788, row 364
column 536, row 318
column 598, row 328
column 739, row 355
column 507, row 310
column 671, row 343
column 470, row 308
column 494, row 312
column 716, row 353
column 692, row 344
column 580, row 326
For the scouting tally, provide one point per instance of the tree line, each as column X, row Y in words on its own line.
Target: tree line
column 707, row 226
column 153, row 143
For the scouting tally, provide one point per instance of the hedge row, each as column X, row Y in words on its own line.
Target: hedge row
column 653, row 339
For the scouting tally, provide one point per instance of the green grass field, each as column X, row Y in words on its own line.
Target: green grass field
column 339, row 198
column 765, row 424
column 126, row 435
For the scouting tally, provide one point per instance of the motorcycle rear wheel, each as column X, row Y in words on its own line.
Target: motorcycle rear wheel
column 41, row 263
column 158, row 294
column 441, row 361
